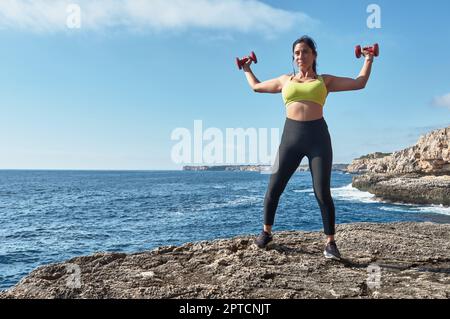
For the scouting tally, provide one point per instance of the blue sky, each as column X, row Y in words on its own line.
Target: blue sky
column 109, row 94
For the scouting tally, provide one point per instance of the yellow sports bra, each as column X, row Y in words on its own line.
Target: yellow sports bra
column 314, row 91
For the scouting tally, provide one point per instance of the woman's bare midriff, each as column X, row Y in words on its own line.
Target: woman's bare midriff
column 304, row 111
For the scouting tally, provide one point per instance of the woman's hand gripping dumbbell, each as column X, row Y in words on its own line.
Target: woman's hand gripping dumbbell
column 246, row 61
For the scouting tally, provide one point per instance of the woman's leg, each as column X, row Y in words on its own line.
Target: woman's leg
column 287, row 161
column 320, row 164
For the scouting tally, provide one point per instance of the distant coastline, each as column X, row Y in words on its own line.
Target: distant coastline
column 253, row 168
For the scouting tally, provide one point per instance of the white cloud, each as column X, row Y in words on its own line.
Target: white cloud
column 443, row 101
column 153, row 15
column 33, row 15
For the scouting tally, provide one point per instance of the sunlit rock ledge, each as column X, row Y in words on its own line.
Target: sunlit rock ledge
column 395, row 260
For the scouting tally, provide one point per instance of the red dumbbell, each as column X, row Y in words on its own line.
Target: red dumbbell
column 375, row 50
column 240, row 62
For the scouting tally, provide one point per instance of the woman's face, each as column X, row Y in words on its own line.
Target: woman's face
column 303, row 56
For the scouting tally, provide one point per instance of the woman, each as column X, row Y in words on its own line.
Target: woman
column 305, row 133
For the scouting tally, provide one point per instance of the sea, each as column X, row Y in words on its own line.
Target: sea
column 49, row 216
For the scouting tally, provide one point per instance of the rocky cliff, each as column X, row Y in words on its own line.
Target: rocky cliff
column 430, row 155
column 418, row 174
column 397, row 260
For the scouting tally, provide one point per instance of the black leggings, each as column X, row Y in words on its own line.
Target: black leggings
column 300, row 138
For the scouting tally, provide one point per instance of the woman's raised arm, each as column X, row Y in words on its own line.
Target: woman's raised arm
column 269, row 86
column 336, row 83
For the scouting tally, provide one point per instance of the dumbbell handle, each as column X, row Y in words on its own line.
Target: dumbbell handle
column 375, row 50
column 240, row 62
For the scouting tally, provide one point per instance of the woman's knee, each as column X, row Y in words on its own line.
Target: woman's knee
column 322, row 190
column 272, row 194
column 324, row 197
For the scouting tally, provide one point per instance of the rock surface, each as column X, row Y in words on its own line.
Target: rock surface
column 408, row 188
column 430, row 155
column 395, row 260
column 419, row 174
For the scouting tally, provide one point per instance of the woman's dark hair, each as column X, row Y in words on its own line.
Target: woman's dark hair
column 309, row 42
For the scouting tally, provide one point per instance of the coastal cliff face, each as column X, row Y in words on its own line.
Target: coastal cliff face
column 395, row 260
column 407, row 188
column 431, row 155
column 419, row 174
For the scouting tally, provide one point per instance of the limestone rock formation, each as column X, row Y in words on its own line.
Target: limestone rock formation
column 395, row 260
column 419, row 174
column 431, row 155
